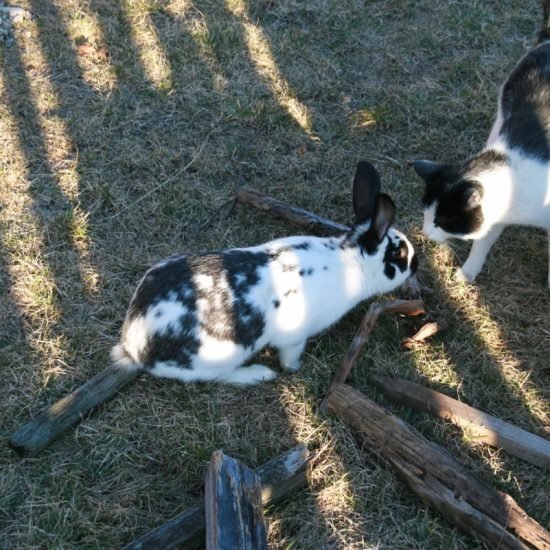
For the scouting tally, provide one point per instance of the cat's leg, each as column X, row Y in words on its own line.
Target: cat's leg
column 290, row 356
column 480, row 248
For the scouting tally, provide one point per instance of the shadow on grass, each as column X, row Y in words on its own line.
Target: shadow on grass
column 491, row 376
column 142, row 132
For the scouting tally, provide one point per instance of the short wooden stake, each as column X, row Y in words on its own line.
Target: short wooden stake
column 233, row 506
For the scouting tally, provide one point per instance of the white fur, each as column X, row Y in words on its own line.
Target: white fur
column 514, row 194
column 341, row 277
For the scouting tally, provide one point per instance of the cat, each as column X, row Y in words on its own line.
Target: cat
column 508, row 182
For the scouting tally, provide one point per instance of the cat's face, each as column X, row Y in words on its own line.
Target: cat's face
column 451, row 201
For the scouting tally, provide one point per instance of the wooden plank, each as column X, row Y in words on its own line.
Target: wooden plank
column 487, row 428
column 279, row 477
column 436, row 477
column 233, row 506
column 51, row 423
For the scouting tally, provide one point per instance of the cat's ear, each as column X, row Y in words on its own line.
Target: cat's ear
column 366, row 188
column 428, row 169
column 472, row 197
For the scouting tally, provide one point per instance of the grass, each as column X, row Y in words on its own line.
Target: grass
column 124, row 126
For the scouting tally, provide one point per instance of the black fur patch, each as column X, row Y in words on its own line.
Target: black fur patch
column 395, row 257
column 526, row 105
column 170, row 281
column 302, row 246
column 450, row 187
column 452, row 215
column 226, row 314
column 368, row 242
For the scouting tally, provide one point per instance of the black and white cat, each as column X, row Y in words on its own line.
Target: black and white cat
column 508, row 182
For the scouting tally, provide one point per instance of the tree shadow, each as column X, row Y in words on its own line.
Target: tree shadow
column 140, row 140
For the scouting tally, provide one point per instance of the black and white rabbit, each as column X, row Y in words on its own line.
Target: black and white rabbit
column 200, row 317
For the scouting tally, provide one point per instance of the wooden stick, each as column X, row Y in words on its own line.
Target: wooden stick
column 233, row 506
column 434, row 475
column 487, row 428
column 50, row 424
column 424, row 332
column 280, row 477
column 408, row 307
column 278, row 209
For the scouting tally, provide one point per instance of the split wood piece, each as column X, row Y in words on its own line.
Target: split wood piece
column 407, row 307
column 233, row 506
column 279, row 477
column 278, row 209
column 50, row 424
column 424, row 332
column 436, row 477
column 487, row 428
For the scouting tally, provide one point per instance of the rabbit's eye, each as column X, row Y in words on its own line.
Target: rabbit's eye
column 399, row 253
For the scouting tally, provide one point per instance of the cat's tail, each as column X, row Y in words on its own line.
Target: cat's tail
column 544, row 33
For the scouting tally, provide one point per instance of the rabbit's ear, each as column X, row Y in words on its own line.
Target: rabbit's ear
column 384, row 212
column 383, row 216
column 366, row 187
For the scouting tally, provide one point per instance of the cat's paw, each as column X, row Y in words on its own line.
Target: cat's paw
column 464, row 276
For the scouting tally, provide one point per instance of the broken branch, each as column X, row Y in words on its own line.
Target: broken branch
column 51, row 423
column 487, row 428
column 278, row 209
column 436, row 477
column 424, row 332
column 407, row 307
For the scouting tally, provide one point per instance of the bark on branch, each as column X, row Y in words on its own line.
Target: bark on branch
column 487, row 428
column 51, row 423
column 308, row 220
column 436, row 477
column 406, row 307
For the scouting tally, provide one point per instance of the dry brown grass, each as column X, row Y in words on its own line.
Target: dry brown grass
column 102, row 105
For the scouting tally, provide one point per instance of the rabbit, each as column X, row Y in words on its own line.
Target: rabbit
column 199, row 317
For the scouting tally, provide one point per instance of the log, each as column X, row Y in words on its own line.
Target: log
column 436, row 477
column 278, row 209
column 50, row 424
column 279, row 477
column 233, row 506
column 408, row 307
column 489, row 429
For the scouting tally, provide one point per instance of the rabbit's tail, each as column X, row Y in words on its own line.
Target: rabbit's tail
column 544, row 33
column 122, row 359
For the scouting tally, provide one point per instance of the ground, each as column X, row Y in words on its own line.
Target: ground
column 124, row 127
